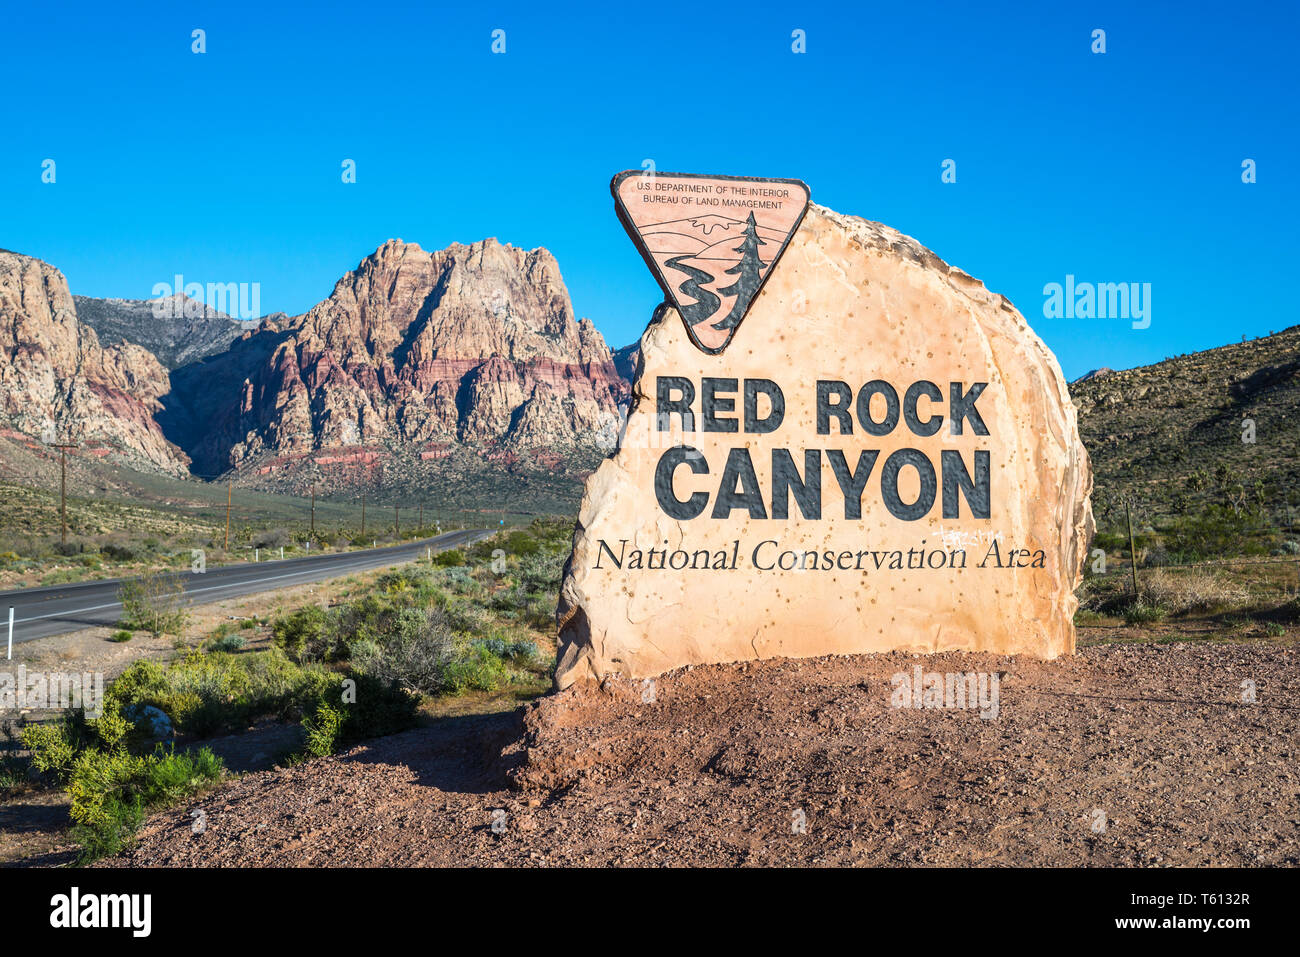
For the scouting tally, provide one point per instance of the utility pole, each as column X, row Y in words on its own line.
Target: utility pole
column 363, row 513
column 421, row 518
column 63, row 487
column 313, row 510
column 230, row 484
column 397, row 526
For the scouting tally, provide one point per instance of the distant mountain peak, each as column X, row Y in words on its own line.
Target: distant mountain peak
column 176, row 328
column 1094, row 374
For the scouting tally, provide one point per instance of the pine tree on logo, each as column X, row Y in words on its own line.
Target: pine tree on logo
column 748, row 272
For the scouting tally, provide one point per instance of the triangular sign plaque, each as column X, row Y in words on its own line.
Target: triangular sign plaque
column 711, row 241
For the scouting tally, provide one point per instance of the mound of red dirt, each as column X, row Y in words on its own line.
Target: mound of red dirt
column 1123, row 755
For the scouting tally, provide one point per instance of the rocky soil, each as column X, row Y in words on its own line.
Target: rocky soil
column 1132, row 754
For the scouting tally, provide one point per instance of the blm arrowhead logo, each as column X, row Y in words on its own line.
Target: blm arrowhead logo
column 711, row 241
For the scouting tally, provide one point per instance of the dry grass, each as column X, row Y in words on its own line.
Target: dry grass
column 1191, row 592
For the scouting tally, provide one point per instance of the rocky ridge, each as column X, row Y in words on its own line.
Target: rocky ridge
column 469, row 347
column 58, row 383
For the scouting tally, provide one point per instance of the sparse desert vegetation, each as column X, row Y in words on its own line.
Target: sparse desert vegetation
column 364, row 666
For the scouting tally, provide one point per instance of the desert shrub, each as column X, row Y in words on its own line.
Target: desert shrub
column 415, row 654
column 542, row 573
column 118, row 553
column 153, row 602
column 459, row 579
column 364, row 619
column 206, row 694
column 475, row 668
column 308, row 634
column 523, row 650
column 121, row 635
column 1156, row 557
column 271, row 538
column 1217, row 531
column 372, row 707
column 466, row 618
column 411, row 585
column 521, row 544
column 68, row 549
column 1142, row 612
column 213, row 693
column 52, row 746
column 60, row 577
column 227, row 643
column 509, row 599
column 110, row 787
column 448, row 558
column 1118, row 541
column 323, row 729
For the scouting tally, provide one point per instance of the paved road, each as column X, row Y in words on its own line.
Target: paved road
column 56, row 609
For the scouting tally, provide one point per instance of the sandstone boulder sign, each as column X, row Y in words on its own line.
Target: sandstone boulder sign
column 881, row 456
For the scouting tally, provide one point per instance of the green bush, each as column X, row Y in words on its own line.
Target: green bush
column 521, row 543
column 205, row 694
column 1143, row 612
column 347, row 708
column 522, row 650
column 154, row 603
column 110, row 787
column 121, row 635
column 414, row 654
column 227, row 643
column 308, row 634
column 448, row 558
column 111, row 791
column 323, row 730
column 475, row 669
column 1220, row 530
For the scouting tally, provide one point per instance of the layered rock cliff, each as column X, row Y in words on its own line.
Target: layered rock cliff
column 58, row 382
column 474, row 346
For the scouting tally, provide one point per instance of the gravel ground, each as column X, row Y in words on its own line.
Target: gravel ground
column 1134, row 754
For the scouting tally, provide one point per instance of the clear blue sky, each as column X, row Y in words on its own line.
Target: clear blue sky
column 226, row 166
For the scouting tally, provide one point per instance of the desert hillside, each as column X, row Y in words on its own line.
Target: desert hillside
column 1170, row 435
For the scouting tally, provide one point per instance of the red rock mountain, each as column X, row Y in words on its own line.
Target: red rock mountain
column 58, row 382
column 414, row 351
